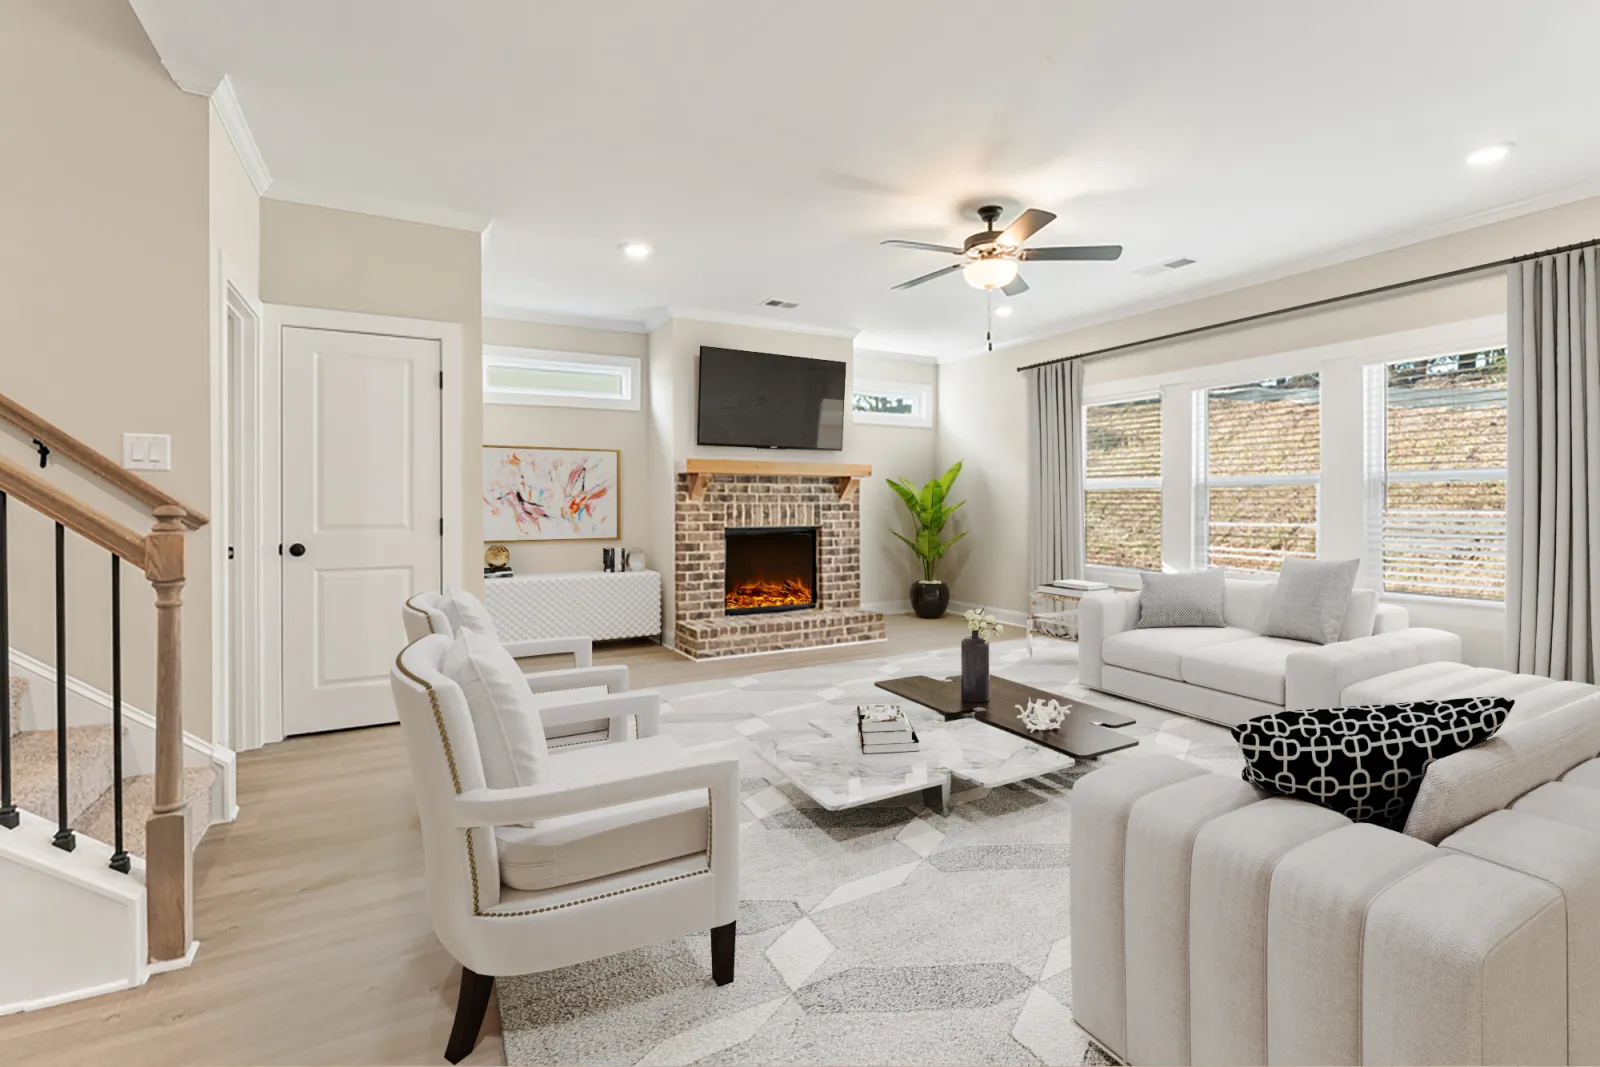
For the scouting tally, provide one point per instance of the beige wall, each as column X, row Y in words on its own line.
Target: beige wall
column 557, row 427
column 341, row 260
column 982, row 411
column 888, row 567
column 103, row 302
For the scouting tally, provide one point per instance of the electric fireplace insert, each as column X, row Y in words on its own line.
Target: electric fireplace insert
column 770, row 568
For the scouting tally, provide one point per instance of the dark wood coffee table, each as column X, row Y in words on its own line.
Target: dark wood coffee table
column 1085, row 734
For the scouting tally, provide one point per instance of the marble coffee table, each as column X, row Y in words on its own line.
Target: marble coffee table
column 831, row 769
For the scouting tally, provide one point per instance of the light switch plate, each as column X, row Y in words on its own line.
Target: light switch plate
column 147, row 451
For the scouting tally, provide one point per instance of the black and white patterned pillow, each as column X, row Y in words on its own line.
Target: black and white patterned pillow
column 1366, row 762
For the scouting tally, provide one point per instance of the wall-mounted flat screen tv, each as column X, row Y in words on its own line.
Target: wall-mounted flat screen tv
column 762, row 400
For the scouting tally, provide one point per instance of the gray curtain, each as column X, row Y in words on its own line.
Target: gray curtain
column 1055, row 471
column 1553, row 466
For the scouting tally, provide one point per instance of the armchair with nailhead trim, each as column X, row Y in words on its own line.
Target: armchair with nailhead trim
column 618, row 846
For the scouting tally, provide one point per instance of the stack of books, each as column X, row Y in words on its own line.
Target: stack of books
column 1078, row 585
column 885, row 728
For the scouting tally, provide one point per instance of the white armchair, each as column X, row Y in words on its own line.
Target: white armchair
column 561, row 693
column 617, row 846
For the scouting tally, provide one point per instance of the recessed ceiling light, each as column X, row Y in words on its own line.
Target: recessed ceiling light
column 637, row 251
column 1489, row 155
column 1004, row 311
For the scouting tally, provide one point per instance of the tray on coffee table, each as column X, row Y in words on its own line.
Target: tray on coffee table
column 1088, row 732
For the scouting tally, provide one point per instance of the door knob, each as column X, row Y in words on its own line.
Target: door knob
column 297, row 549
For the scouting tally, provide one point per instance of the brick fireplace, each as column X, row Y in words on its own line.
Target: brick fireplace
column 766, row 524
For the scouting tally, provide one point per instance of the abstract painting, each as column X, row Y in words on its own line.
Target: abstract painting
column 551, row 494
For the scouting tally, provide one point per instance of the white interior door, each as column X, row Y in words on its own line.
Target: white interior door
column 362, row 516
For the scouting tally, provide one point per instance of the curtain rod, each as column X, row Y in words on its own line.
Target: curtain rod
column 1313, row 304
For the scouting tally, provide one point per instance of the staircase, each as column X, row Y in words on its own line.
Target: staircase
column 91, row 798
column 96, row 868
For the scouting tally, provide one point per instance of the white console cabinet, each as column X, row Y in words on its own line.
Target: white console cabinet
column 598, row 604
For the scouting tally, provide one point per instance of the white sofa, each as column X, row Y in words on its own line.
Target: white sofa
column 1227, row 674
column 1212, row 924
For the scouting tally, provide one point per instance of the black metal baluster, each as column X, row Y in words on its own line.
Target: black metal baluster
column 64, row 838
column 119, row 857
column 8, row 811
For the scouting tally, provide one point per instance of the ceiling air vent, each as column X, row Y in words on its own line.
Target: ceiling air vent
column 1163, row 267
column 785, row 304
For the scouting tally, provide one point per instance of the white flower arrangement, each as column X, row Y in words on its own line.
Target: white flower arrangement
column 983, row 625
column 1042, row 714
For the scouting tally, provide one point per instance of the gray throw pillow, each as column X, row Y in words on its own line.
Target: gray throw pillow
column 1311, row 599
column 1181, row 599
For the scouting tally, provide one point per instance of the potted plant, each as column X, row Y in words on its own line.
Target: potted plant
column 929, row 596
column 975, row 655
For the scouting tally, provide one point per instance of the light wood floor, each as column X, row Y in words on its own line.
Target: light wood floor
column 315, row 941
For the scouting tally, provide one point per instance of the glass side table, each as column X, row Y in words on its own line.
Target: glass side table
column 1052, row 612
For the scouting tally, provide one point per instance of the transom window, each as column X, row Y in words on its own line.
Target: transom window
column 892, row 403
column 1437, row 471
column 1122, row 483
column 559, row 379
column 1259, row 466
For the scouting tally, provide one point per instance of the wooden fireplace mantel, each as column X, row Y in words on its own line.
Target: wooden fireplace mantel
column 701, row 471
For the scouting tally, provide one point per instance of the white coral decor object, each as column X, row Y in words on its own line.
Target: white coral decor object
column 1041, row 714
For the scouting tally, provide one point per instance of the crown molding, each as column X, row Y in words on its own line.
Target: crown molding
column 1392, row 242
column 511, row 313
column 192, row 79
column 219, row 90
column 361, row 204
column 244, row 142
column 759, row 323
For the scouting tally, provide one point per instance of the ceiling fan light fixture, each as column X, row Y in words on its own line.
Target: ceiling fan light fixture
column 990, row 273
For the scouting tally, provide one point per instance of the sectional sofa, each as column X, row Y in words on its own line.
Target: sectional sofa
column 1213, row 924
column 1227, row 674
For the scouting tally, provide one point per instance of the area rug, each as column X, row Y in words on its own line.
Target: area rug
column 879, row 935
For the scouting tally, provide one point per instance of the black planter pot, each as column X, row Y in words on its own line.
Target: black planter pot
column 929, row 599
column 974, row 671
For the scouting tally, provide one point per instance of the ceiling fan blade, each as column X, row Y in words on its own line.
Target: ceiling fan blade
column 925, row 246
column 942, row 271
column 1025, row 226
column 1016, row 288
column 1103, row 252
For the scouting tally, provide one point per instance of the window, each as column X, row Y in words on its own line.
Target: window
column 1122, row 483
column 1260, row 464
column 559, row 379
column 1437, row 464
column 893, row 403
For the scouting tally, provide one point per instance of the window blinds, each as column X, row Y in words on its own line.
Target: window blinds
column 1263, row 463
column 1443, row 529
column 1122, row 483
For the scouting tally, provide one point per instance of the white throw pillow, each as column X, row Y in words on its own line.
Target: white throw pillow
column 466, row 612
column 505, row 718
column 1311, row 599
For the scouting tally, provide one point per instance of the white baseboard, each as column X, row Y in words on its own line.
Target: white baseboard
column 887, row 607
column 89, row 706
column 1005, row 615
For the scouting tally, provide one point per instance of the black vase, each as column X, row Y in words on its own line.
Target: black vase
column 929, row 599
column 974, row 671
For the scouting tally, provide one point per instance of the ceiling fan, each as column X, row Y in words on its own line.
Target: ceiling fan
column 990, row 258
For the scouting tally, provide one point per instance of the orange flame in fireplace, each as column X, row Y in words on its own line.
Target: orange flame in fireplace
column 765, row 594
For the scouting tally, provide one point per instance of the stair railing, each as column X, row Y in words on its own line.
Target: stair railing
column 169, row 877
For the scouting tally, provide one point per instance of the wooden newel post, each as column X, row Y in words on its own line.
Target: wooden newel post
column 169, row 881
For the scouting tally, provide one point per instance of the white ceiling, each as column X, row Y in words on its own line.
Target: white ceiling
column 765, row 149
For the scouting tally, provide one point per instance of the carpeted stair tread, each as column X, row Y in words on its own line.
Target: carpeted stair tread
column 33, row 769
column 138, row 799
column 19, row 693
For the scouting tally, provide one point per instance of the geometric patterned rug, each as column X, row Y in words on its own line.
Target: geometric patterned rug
column 876, row 935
